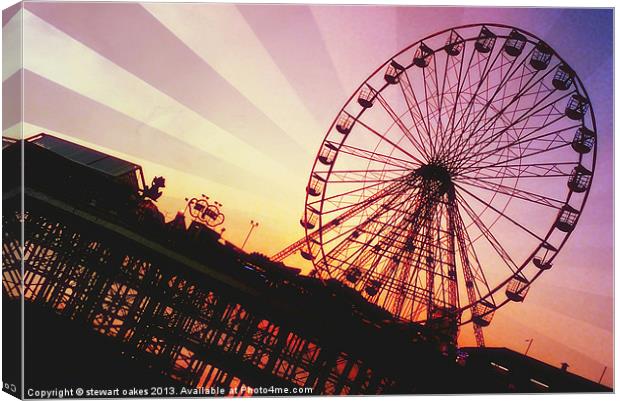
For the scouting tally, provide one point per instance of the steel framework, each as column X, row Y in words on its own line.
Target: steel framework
column 452, row 177
column 190, row 308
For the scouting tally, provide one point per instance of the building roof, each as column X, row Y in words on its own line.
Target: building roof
column 7, row 141
column 539, row 372
column 88, row 157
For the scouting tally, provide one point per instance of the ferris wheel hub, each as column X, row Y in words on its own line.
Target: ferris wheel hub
column 436, row 175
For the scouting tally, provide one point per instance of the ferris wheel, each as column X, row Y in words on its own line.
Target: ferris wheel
column 453, row 176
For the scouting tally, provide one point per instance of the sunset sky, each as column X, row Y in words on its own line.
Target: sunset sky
column 234, row 101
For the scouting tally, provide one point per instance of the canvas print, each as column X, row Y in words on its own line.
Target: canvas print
column 205, row 199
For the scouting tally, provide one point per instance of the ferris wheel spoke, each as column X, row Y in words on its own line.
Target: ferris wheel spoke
column 444, row 265
column 513, row 135
column 528, row 139
column 427, row 74
column 377, row 195
column 464, row 115
column 361, row 180
column 377, row 171
column 527, row 163
column 376, row 157
column 406, row 132
column 535, row 152
column 467, row 161
column 416, row 113
column 503, row 84
column 393, row 144
column 438, row 93
column 486, row 100
column 490, row 123
column 434, row 241
column 501, row 213
column 457, row 96
column 490, row 238
column 523, row 170
column 523, row 118
column 376, row 175
column 444, row 82
column 515, row 192
column 345, row 244
column 504, row 256
column 396, row 222
column 513, row 176
column 439, row 111
column 483, row 78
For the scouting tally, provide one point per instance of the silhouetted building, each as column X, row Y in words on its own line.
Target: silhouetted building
column 117, row 298
column 504, row 370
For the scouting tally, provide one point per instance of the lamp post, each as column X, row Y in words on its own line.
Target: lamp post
column 602, row 374
column 530, row 341
column 253, row 225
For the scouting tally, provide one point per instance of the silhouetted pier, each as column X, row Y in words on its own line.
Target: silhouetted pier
column 116, row 297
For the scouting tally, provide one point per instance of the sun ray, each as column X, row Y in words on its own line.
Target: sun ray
column 272, row 93
column 11, row 45
column 141, row 60
column 293, row 41
column 125, row 93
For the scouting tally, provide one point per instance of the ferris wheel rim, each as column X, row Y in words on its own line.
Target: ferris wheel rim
column 580, row 89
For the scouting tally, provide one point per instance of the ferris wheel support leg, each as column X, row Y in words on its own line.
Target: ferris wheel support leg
column 479, row 335
column 461, row 234
column 289, row 250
